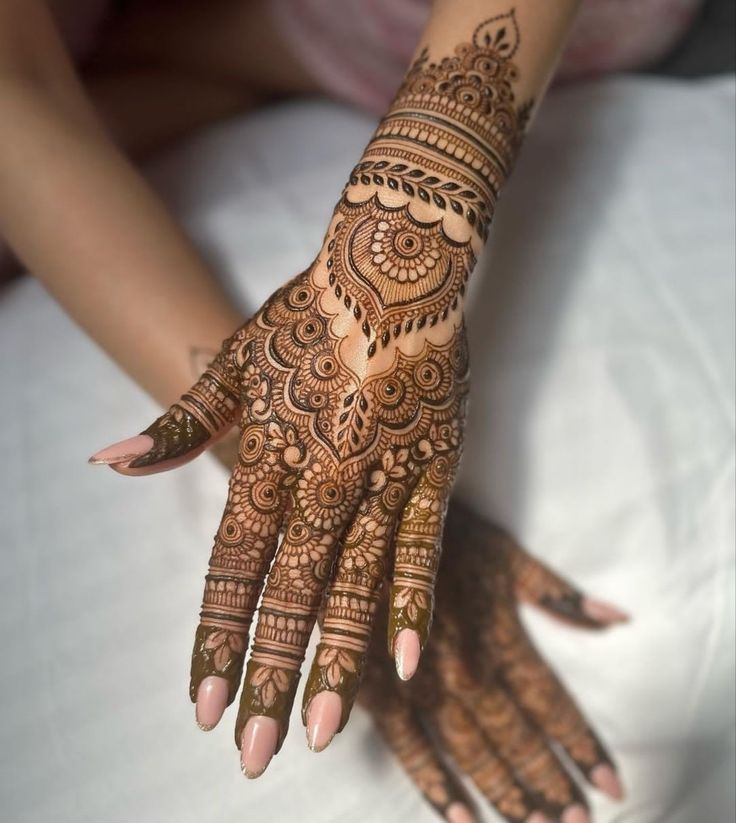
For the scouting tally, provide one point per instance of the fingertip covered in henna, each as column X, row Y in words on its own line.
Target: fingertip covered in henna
column 212, row 697
column 258, row 745
column 324, row 716
column 604, row 777
column 407, row 649
column 123, row 452
column 459, row 813
column 604, row 613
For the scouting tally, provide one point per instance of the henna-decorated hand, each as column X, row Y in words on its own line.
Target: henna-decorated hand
column 349, row 386
column 483, row 697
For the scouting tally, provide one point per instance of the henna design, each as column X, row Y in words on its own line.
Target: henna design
column 350, row 384
column 483, row 686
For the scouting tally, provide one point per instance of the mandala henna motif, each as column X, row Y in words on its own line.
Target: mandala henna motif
column 353, row 379
column 350, row 387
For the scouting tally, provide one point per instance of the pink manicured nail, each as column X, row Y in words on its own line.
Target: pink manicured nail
column 538, row 817
column 124, row 451
column 323, row 720
column 406, row 653
column 459, row 813
column 258, row 745
column 211, row 701
column 576, row 814
column 606, row 779
column 604, row 612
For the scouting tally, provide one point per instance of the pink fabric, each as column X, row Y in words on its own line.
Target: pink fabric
column 358, row 50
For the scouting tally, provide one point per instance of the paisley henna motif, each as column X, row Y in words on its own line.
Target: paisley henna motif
column 350, row 387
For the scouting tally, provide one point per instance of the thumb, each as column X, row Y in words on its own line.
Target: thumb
column 195, row 422
column 537, row 584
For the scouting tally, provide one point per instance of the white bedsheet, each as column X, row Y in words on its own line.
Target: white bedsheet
column 601, row 432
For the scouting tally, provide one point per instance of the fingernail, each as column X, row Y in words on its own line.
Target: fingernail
column 406, row 653
column 124, row 451
column 323, row 720
column 459, row 813
column 538, row 817
column 211, row 701
column 258, row 744
column 576, row 814
column 606, row 779
column 604, row 612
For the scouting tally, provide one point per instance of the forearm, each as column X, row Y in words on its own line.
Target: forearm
column 451, row 136
column 84, row 221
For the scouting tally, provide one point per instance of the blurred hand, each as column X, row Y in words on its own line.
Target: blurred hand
column 483, row 698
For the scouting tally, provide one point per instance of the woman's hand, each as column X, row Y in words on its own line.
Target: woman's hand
column 484, row 698
column 350, row 386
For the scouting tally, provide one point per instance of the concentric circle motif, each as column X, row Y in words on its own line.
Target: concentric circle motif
column 252, row 443
column 391, row 391
column 231, row 531
column 309, row 331
column 439, row 471
column 300, row 296
column 325, row 366
column 427, row 375
column 297, row 532
column 264, row 495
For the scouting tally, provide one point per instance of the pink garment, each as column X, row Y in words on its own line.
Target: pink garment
column 358, row 50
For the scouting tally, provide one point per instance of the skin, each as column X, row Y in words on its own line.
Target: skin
column 392, row 489
column 349, row 387
column 484, row 700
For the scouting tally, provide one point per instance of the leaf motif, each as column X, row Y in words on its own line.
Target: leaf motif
column 217, row 638
column 422, row 600
column 236, row 643
column 326, row 656
column 261, row 676
column 412, row 612
column 281, row 680
column 333, row 675
column 268, row 694
column 347, row 662
column 222, row 657
column 402, row 598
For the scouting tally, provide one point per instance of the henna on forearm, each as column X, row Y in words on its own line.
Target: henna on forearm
column 351, row 386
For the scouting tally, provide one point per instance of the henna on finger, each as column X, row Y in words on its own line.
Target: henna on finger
column 510, row 733
column 418, row 550
column 471, row 752
column 353, row 381
column 242, row 553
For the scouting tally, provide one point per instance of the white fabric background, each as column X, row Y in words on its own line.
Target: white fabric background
column 601, row 432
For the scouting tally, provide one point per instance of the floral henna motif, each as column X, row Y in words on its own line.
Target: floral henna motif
column 350, row 385
column 353, row 378
column 483, row 688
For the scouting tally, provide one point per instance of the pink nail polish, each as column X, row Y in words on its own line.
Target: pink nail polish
column 606, row 779
column 459, row 813
column 258, row 745
column 538, row 817
column 323, row 720
column 576, row 814
column 604, row 612
column 211, row 701
column 406, row 653
column 124, row 451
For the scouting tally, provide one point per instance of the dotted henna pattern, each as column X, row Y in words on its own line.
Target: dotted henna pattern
column 350, row 386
